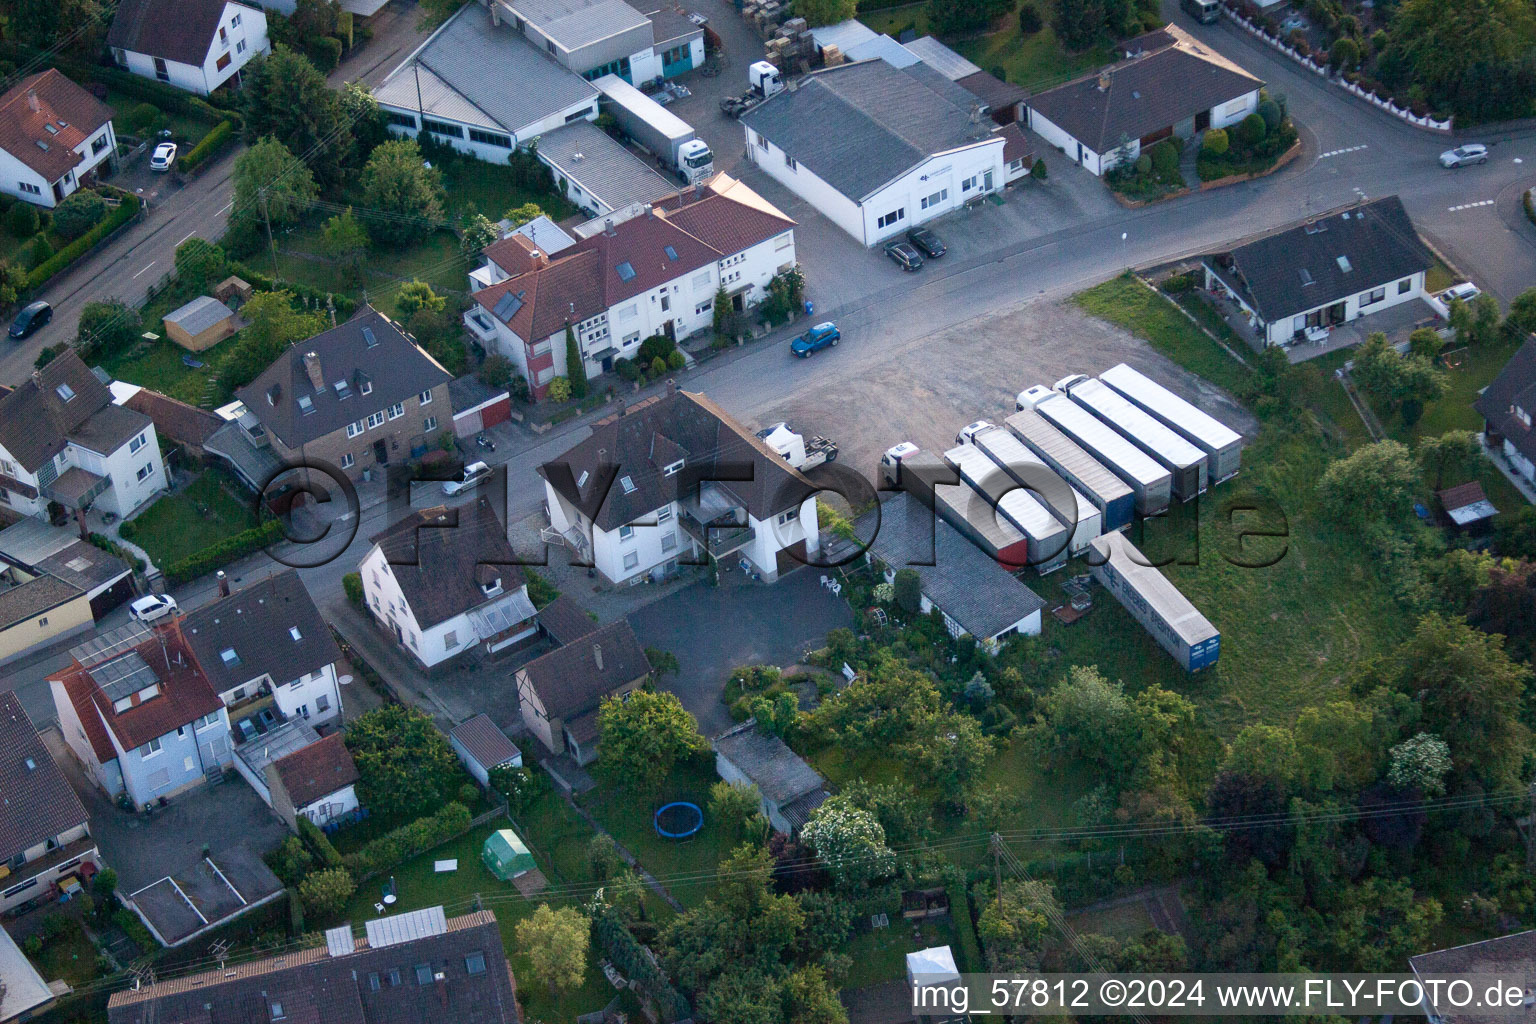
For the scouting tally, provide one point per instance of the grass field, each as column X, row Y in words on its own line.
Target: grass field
column 208, row 510
column 490, row 190
column 434, row 259
column 157, row 365
column 880, row 954
column 69, row 956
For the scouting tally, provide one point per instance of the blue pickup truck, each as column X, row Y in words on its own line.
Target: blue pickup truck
column 819, row 337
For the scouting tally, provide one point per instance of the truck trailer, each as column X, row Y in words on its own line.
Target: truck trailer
column 969, row 512
column 662, row 133
column 1183, row 460
column 1222, row 445
column 1155, row 602
column 1115, row 502
column 1150, row 482
column 1070, row 506
column 1048, row 539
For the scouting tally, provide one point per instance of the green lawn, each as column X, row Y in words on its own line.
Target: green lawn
column 157, row 365
column 489, row 188
column 1134, row 306
column 434, row 259
column 185, row 131
column 880, row 954
column 210, row 509
column 69, row 956
column 1475, row 370
column 1125, row 921
column 630, row 821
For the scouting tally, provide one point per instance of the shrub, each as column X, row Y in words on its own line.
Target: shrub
column 1029, row 20
column 325, row 893
column 325, row 53
column 1216, row 142
column 496, row 371
column 319, row 844
column 40, row 252
column 225, row 551
column 657, row 345
column 78, row 213
column 22, row 220
column 352, row 583
column 559, row 390
column 676, row 361
column 210, row 146
column 1178, row 283
column 107, row 328
column 1165, row 156
column 143, row 118
column 1143, row 164
column 80, row 246
column 1345, row 53
column 469, row 794
column 627, row 369
column 1379, row 40
column 658, row 368
column 1251, row 131
column 408, row 840
column 909, row 590
column 291, row 861
column 1270, row 111
column 1038, row 172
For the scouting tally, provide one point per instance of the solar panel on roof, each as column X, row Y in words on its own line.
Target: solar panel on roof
column 414, row 924
column 111, row 643
column 507, row 306
column 626, row 271
column 124, row 676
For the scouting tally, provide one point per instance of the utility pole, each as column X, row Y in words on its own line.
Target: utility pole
column 997, row 872
column 1529, row 832
column 267, row 219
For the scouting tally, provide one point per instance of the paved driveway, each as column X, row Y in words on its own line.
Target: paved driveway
column 712, row 630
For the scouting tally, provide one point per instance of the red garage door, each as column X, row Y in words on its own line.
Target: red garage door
column 496, row 412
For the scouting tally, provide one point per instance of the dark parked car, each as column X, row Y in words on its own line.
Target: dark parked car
column 818, row 337
column 30, row 319
column 905, row 254
column 927, row 242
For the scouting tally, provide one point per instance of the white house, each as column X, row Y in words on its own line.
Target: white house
column 196, row 45
column 443, row 580
column 662, row 486
column 877, row 148
column 62, row 439
column 267, row 645
column 478, row 85
column 53, row 137
column 656, row 272
column 139, row 714
column 1508, row 406
column 483, row 748
column 640, row 41
column 299, row 774
column 1302, row 280
column 1170, row 84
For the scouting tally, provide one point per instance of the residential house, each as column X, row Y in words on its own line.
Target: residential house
column 53, row 137
column 38, row 548
column 479, row 86
column 911, row 145
column 971, row 592
column 139, row 713
column 359, row 397
column 318, row 782
column 641, row 42
column 483, row 748
column 200, row 324
column 62, row 439
column 1329, row 270
column 1170, row 84
column 204, row 895
column 443, row 580
column 196, row 45
column 564, row 621
column 654, row 273
column 44, row 830
column 419, row 967
column 790, row 790
column 23, row 992
column 174, row 420
column 267, row 645
column 38, row 607
column 562, row 691
column 678, row 482
column 1510, row 958
column 1507, row 406
column 597, row 173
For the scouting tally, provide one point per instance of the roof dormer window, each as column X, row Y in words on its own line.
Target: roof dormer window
column 230, row 656
column 343, row 389
column 293, row 631
column 305, row 405
column 672, row 468
column 65, row 392
column 492, row 588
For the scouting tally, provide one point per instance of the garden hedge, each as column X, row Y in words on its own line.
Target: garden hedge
column 44, row 271
column 213, row 143
column 166, row 97
column 408, row 840
column 215, row 556
column 319, row 844
column 345, row 307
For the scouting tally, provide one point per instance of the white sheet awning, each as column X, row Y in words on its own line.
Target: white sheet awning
column 501, row 614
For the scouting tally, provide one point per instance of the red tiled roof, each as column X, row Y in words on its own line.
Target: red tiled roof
column 1015, row 145
column 516, row 254
column 174, row 418
column 75, row 113
column 316, row 771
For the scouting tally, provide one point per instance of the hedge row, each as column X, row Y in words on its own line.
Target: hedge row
column 965, row 927
column 212, row 144
column 225, row 551
column 345, row 307
column 408, row 840
column 319, row 844
column 45, row 270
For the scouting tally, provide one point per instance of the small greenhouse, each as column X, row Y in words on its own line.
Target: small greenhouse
column 506, row 856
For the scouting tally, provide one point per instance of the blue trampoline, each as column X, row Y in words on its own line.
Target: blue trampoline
column 678, row 820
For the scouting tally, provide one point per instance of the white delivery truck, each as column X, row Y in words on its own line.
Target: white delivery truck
column 800, row 452
column 659, row 131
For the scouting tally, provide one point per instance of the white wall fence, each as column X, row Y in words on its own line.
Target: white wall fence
column 1324, row 71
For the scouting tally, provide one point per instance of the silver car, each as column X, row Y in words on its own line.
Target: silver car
column 1461, row 156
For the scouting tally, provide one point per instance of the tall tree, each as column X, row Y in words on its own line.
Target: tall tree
column 274, row 324
column 825, row 12
column 405, row 197
column 1448, row 454
column 643, row 738
column 1373, row 486
column 74, row 26
column 1079, row 23
column 850, row 841
column 405, row 767
column 345, row 243
column 555, row 943
column 1448, row 49
column 270, row 183
column 575, row 364
column 1014, row 924
column 286, row 98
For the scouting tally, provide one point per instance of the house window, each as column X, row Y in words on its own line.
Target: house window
column 353, row 429
column 934, row 200
column 626, row 533
column 425, row 398
column 789, row 162
column 181, row 732
column 451, row 639
column 474, row 963
column 375, row 419
column 293, row 631
column 65, row 392
column 223, row 35
column 968, row 184
column 401, row 120
column 669, row 541
column 365, row 387
column 230, row 656
column 27, row 186
column 99, row 143
column 423, row 974
column 1374, row 297
column 397, row 410
column 161, row 71
column 762, row 141
column 347, row 460
column 146, row 471
column 891, row 218
column 789, row 517
column 664, row 516
column 136, row 444
column 490, row 138
column 631, row 560
column 451, row 131
column 1404, row 285
column 234, row 22
column 373, row 981
column 222, row 62
column 394, row 977
column 783, row 242
column 240, row 46
column 322, row 703
column 429, row 424
column 150, row 749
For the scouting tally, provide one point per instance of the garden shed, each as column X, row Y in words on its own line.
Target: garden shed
column 201, row 323
column 506, row 856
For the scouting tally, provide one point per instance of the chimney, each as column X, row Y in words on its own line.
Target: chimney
column 1104, row 82
column 312, row 367
column 32, row 100
column 223, row 583
column 597, row 655
column 37, row 379
column 671, row 386
column 608, row 227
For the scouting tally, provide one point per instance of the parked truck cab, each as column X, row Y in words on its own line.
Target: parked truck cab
column 1031, row 397
column 696, row 162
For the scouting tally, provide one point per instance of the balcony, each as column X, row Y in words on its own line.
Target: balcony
column 76, row 488
column 480, row 325
column 720, row 536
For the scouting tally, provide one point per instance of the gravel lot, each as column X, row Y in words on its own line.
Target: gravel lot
column 933, row 387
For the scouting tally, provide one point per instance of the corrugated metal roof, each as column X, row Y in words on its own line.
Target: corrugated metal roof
column 887, row 49
column 941, row 58
column 577, row 23
column 844, row 35
column 201, row 313
column 612, row 174
column 1141, row 428
column 1169, row 407
column 1154, row 588
column 1101, row 439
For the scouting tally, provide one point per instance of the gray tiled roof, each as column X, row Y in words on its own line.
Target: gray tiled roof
column 35, row 596
column 109, row 429
column 587, row 155
column 1509, row 956
column 1147, row 93
column 491, row 68
column 780, row 774
column 34, row 544
column 38, row 802
column 179, row 30
column 1514, row 386
column 200, row 314
column 963, row 582
column 484, row 742
column 569, row 681
column 885, row 120
column 565, row 620
column 35, row 419
column 442, row 558
column 395, row 365
column 257, row 621
column 1376, row 239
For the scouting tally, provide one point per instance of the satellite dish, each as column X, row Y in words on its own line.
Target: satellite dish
column 344, row 680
